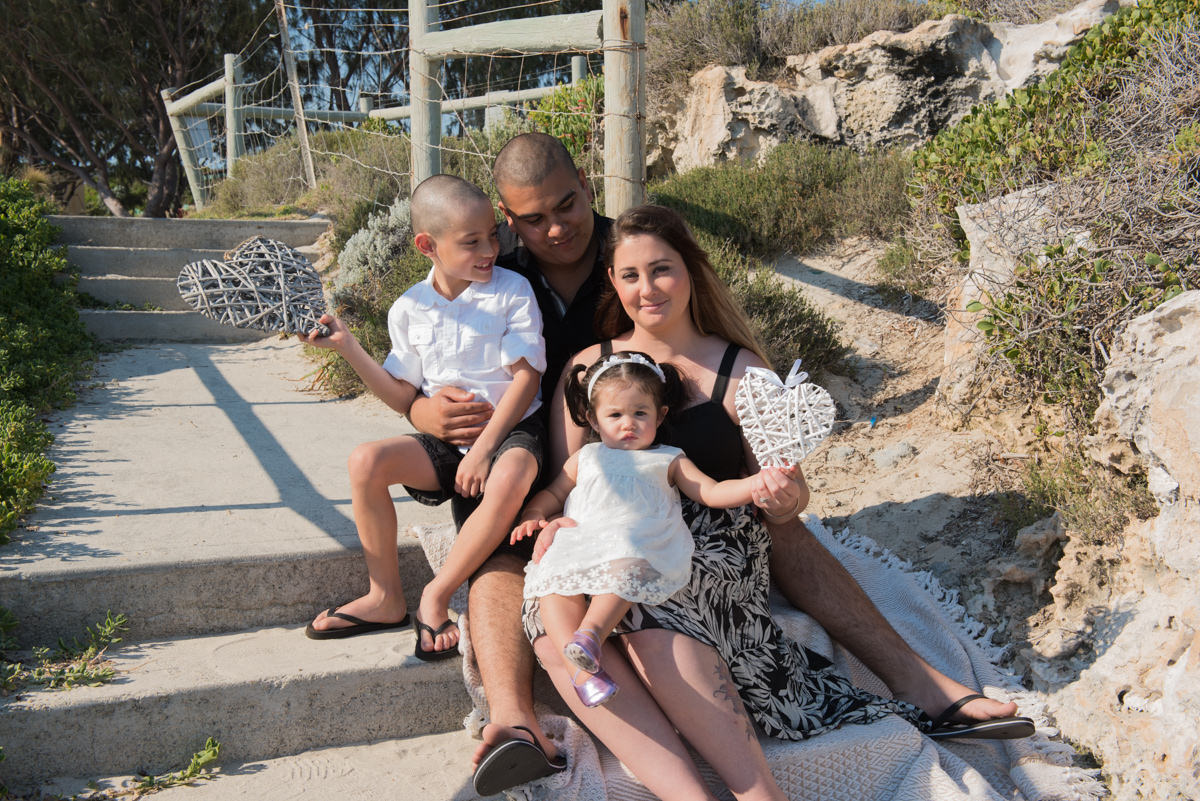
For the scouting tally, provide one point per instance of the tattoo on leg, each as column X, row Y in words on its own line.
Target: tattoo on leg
column 727, row 691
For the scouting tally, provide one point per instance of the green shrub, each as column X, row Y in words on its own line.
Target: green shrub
column 1092, row 500
column 42, row 351
column 573, row 114
column 787, row 325
column 1107, row 139
column 1037, row 134
column 801, row 196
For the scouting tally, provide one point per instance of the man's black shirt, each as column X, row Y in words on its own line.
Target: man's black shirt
column 566, row 330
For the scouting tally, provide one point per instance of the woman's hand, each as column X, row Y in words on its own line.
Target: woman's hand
column 781, row 493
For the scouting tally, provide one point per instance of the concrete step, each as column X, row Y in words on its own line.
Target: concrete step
column 161, row 294
column 139, row 232
column 110, row 325
column 431, row 767
column 200, row 488
column 261, row 693
column 92, row 260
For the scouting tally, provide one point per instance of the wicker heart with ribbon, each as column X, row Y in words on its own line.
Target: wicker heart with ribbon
column 783, row 421
column 262, row 284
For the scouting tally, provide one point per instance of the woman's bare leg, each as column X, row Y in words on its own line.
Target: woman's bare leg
column 632, row 726
column 374, row 468
column 693, row 687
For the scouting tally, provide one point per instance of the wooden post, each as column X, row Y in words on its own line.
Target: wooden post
column 424, row 96
column 624, row 104
column 185, row 152
column 289, row 63
column 578, row 68
column 235, row 146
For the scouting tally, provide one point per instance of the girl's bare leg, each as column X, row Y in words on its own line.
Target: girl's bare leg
column 603, row 614
column 507, row 484
column 693, row 687
column 374, row 467
column 631, row 725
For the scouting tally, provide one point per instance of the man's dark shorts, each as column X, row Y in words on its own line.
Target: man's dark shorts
column 529, row 435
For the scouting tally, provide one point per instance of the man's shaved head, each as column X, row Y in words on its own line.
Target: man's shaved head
column 440, row 200
column 528, row 159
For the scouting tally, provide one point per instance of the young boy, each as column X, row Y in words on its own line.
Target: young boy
column 469, row 324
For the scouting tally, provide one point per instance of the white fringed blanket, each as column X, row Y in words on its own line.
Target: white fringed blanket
column 885, row 761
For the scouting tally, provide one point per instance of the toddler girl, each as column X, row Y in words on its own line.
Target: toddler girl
column 621, row 539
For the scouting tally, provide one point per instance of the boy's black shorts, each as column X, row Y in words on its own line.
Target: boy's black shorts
column 529, row 435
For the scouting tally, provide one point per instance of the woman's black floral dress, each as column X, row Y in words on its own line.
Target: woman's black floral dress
column 791, row 692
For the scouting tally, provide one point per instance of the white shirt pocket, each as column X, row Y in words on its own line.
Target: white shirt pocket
column 481, row 343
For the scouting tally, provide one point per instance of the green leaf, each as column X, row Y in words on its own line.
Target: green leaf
column 975, row 306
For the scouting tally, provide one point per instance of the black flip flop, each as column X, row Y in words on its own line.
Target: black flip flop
column 431, row 655
column 1012, row 728
column 514, row 762
column 359, row 626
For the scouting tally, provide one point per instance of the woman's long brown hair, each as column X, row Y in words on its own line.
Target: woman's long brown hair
column 712, row 307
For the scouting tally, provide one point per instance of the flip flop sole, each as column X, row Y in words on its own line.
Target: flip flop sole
column 996, row 729
column 353, row 630
column 510, row 764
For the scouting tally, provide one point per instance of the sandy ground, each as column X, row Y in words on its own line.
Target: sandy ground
column 891, row 470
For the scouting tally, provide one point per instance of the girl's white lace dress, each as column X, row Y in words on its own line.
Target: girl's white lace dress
column 630, row 539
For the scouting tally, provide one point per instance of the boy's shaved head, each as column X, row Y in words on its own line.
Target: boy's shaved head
column 440, row 200
column 528, row 159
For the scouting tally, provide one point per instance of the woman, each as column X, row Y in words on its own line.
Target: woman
column 713, row 645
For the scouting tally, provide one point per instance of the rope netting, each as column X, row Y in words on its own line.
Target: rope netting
column 352, row 73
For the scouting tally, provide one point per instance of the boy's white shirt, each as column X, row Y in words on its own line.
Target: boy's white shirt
column 470, row 342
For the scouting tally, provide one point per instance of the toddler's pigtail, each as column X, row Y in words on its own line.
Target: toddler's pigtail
column 575, row 394
column 674, row 394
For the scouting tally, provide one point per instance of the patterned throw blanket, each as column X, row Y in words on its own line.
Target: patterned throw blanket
column 885, row 761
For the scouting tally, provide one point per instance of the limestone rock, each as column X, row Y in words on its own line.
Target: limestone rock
column 1151, row 399
column 888, row 89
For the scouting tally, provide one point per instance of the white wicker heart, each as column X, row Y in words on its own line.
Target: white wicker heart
column 262, row 284
column 783, row 421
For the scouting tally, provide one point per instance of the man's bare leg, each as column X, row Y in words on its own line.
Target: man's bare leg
column 503, row 654
column 815, row 582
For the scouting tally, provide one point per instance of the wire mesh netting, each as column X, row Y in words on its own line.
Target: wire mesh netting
column 351, row 69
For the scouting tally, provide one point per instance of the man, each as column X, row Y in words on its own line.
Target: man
column 547, row 205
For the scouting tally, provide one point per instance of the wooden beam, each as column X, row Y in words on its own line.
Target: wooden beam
column 552, row 34
column 190, row 100
column 424, row 94
column 624, row 104
column 185, row 152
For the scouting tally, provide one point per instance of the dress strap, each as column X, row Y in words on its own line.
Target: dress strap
column 722, row 382
column 606, row 348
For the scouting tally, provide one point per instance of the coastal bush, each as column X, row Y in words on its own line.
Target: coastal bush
column 800, row 196
column 1110, row 141
column 43, row 350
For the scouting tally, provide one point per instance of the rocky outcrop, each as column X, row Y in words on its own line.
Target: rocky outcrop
column 889, row 89
column 1120, row 655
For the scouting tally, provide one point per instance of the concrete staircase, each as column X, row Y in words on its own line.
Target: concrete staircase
column 202, row 492
column 131, row 264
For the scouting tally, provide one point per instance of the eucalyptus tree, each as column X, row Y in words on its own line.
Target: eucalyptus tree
column 80, row 84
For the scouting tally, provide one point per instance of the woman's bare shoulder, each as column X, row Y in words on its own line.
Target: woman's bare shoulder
column 587, row 355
